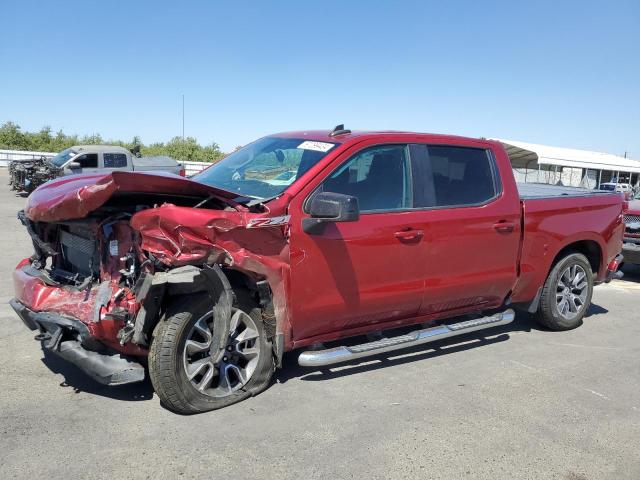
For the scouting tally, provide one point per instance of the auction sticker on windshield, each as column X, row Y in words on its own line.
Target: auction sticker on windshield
column 317, row 146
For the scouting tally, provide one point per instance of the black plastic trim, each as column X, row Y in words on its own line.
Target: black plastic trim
column 106, row 367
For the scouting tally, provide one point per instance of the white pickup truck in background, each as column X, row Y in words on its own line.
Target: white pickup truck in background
column 27, row 175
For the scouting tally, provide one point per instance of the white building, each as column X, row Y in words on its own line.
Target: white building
column 580, row 168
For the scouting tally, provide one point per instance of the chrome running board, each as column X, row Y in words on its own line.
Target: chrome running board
column 319, row 358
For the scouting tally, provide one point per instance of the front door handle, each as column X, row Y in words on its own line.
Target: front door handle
column 504, row 227
column 409, row 235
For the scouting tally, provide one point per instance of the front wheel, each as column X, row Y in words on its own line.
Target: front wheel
column 566, row 294
column 186, row 370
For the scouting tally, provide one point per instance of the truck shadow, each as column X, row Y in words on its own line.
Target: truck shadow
column 77, row 380
column 80, row 382
column 523, row 322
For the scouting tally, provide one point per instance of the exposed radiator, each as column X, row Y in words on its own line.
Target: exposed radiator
column 80, row 254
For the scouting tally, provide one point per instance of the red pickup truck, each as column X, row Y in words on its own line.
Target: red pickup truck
column 296, row 240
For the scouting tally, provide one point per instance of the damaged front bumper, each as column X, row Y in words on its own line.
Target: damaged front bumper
column 69, row 339
column 27, row 175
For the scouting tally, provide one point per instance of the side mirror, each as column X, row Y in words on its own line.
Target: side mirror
column 74, row 165
column 325, row 207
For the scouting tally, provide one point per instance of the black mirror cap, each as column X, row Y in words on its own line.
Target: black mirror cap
column 330, row 207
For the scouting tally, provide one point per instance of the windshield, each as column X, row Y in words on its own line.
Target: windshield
column 286, row 176
column 608, row 186
column 266, row 167
column 62, row 158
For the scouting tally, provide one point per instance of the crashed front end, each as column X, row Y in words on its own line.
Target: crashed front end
column 27, row 175
column 111, row 250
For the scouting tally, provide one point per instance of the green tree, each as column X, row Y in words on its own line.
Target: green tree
column 93, row 139
column 41, row 141
column 211, row 153
column 11, row 138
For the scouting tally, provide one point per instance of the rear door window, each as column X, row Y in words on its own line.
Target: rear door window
column 114, row 160
column 378, row 176
column 449, row 176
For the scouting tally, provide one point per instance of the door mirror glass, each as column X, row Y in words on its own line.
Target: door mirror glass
column 327, row 207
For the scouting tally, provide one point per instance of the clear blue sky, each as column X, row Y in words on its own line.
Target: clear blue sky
column 564, row 73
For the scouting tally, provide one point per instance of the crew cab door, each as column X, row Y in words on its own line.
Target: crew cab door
column 471, row 223
column 355, row 274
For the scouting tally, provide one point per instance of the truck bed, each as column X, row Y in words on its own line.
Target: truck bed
column 159, row 163
column 554, row 213
column 530, row 191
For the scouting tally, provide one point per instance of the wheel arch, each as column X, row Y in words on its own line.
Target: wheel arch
column 547, row 304
column 156, row 291
column 261, row 293
column 589, row 248
column 222, row 284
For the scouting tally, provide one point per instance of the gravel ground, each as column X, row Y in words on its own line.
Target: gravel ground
column 519, row 402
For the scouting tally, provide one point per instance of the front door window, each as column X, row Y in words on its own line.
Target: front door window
column 378, row 177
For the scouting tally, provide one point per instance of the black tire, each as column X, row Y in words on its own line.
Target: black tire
column 166, row 363
column 549, row 311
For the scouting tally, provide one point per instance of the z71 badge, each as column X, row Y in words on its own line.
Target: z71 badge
column 269, row 222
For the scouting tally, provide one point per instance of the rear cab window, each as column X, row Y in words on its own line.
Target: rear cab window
column 452, row 176
column 114, row 160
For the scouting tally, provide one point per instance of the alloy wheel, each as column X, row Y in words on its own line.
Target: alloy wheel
column 571, row 292
column 235, row 367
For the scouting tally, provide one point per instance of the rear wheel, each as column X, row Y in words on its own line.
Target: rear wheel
column 566, row 294
column 185, row 368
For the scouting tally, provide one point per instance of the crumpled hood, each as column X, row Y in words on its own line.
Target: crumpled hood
column 253, row 243
column 76, row 196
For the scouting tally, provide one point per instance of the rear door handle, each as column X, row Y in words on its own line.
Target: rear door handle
column 409, row 235
column 504, row 227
